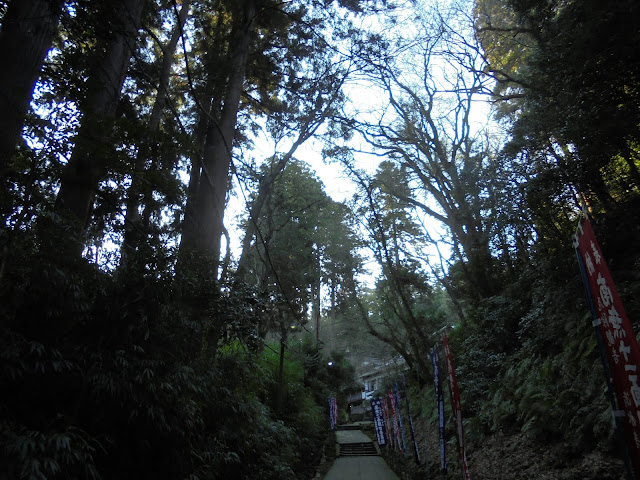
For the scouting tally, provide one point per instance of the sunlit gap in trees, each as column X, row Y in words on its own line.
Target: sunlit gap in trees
column 413, row 105
column 444, row 72
column 336, row 183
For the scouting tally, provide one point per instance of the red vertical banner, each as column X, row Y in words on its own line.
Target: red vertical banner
column 457, row 406
column 619, row 341
column 387, row 420
column 394, row 415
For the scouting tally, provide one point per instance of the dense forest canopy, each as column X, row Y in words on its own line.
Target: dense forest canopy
column 141, row 337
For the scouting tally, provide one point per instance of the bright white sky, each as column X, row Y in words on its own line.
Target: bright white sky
column 363, row 97
column 337, row 185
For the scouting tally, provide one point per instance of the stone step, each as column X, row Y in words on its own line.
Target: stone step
column 357, row 449
column 348, row 427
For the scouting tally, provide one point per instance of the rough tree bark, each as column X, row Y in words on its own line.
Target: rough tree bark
column 133, row 224
column 203, row 226
column 86, row 167
column 26, row 35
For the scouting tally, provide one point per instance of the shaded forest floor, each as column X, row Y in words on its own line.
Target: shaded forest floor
column 515, row 456
column 328, row 455
column 519, row 457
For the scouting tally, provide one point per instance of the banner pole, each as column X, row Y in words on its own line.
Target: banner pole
column 437, row 384
column 416, row 449
column 387, row 423
column 456, row 405
column 426, row 452
column 394, row 415
column 619, row 432
column 400, row 423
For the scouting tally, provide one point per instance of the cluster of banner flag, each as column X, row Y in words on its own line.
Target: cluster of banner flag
column 387, row 415
column 620, row 355
column 333, row 412
column 388, row 418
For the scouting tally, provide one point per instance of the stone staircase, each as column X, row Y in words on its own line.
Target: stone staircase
column 357, row 449
column 352, row 442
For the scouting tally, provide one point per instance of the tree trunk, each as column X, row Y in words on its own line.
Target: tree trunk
column 26, row 35
column 133, row 225
column 264, row 190
column 206, row 113
column 280, row 384
column 315, row 306
column 87, row 165
column 203, row 230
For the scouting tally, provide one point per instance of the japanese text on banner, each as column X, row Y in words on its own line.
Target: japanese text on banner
column 378, row 421
column 620, row 343
column 333, row 412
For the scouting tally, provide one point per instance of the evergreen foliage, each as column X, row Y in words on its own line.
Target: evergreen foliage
column 135, row 392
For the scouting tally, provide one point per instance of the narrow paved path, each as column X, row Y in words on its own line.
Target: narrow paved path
column 358, row 467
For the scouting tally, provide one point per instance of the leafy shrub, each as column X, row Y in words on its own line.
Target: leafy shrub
column 124, row 383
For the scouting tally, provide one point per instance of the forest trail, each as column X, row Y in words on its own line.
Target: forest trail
column 358, row 459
